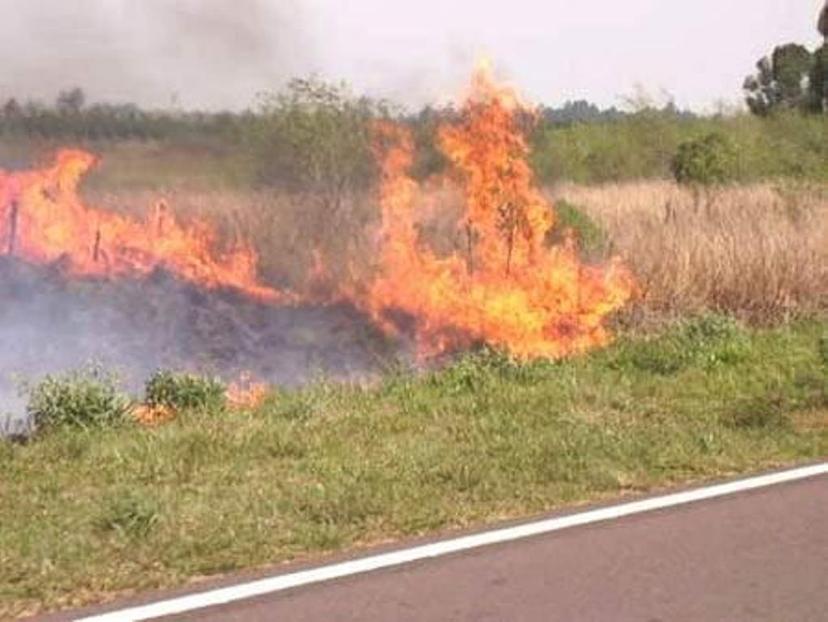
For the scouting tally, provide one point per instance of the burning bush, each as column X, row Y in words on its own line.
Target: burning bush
column 86, row 398
column 180, row 391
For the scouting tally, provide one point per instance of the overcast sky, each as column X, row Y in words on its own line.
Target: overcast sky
column 220, row 53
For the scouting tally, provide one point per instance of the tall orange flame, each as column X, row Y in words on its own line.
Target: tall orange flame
column 509, row 288
column 43, row 220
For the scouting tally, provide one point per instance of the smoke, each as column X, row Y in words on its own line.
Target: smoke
column 157, row 53
column 49, row 324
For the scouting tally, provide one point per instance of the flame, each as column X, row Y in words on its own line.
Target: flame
column 43, row 220
column 508, row 288
column 151, row 416
column 246, row 393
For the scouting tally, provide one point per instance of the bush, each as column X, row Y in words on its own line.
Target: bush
column 184, row 391
column 705, row 161
column 84, row 398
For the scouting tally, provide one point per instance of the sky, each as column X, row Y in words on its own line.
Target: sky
column 218, row 54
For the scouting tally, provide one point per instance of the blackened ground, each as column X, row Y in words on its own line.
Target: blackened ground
column 50, row 323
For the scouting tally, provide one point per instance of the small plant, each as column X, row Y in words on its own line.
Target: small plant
column 86, row 398
column 130, row 515
column 705, row 161
column 182, row 391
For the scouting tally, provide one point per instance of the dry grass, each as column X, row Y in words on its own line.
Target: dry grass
column 760, row 252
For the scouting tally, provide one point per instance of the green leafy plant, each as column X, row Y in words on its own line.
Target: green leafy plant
column 184, row 391
column 705, row 161
column 709, row 341
column 86, row 398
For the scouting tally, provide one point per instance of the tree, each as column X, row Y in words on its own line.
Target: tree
column 11, row 108
column 782, row 81
column 71, row 101
column 819, row 80
column 706, row 161
column 315, row 137
column 315, row 140
column 819, row 75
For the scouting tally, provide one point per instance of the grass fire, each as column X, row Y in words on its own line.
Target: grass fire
column 231, row 339
column 508, row 288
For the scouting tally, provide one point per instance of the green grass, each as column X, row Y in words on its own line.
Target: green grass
column 88, row 513
column 643, row 146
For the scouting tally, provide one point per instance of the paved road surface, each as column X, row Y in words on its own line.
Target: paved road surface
column 760, row 555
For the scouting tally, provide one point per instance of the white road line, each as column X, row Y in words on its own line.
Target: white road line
column 269, row 585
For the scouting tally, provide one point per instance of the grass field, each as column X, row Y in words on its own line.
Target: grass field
column 721, row 367
column 86, row 515
column 759, row 252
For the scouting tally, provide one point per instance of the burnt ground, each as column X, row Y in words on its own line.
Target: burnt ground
column 50, row 323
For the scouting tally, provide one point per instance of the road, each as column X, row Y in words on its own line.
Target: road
column 757, row 555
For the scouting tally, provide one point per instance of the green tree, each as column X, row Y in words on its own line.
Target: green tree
column 819, row 80
column 316, row 138
column 705, row 161
column 781, row 81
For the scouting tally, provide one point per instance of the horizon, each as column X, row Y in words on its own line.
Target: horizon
column 198, row 55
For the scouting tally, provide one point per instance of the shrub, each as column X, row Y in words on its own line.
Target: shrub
column 184, row 391
column 705, row 161
column 88, row 397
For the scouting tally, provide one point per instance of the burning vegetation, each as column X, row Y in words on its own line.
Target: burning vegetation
column 507, row 286
column 510, row 288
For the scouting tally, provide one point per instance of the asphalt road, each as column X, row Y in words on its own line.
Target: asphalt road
column 758, row 555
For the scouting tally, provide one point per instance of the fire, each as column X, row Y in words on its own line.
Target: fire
column 43, row 220
column 246, row 393
column 508, row 287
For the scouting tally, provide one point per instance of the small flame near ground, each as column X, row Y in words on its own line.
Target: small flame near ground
column 508, row 287
column 243, row 394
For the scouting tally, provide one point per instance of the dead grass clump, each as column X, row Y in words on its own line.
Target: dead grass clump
column 759, row 252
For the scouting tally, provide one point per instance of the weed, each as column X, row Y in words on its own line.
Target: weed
column 86, row 398
column 182, row 391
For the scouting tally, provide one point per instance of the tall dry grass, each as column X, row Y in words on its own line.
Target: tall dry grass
column 759, row 251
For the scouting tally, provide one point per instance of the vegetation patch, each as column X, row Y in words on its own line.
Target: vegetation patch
column 181, row 391
column 86, row 511
column 84, row 398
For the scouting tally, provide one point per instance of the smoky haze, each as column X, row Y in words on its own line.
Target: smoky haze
column 156, row 53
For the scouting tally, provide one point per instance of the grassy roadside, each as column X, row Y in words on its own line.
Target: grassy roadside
column 87, row 514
